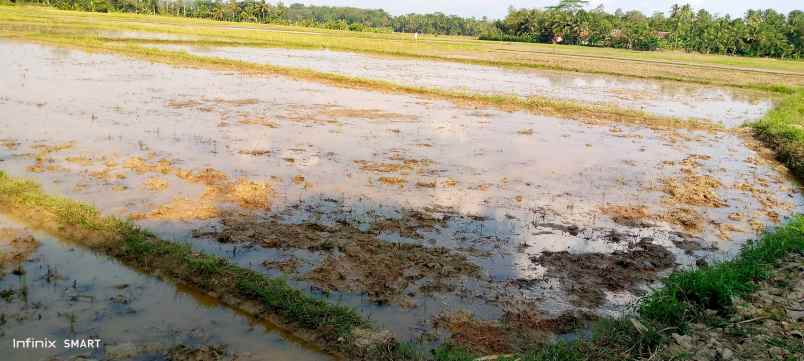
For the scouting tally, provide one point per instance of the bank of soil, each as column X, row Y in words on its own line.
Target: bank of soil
column 768, row 324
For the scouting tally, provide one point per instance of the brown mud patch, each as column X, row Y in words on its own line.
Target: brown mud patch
column 370, row 114
column 201, row 353
column 351, row 260
column 483, row 336
column 639, row 217
column 255, row 152
column 261, row 121
column 155, row 184
column 515, row 331
column 691, row 188
column 142, row 166
column 180, row 209
column 629, row 216
column 586, row 276
column 219, row 190
column 44, row 163
column 687, row 218
column 9, row 144
column 16, row 245
column 393, row 181
column 403, row 166
column 695, row 190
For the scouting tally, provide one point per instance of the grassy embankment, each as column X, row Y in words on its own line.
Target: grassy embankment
column 783, row 130
column 753, row 73
column 312, row 319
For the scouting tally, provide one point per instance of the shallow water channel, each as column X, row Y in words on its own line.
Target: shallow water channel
column 729, row 107
column 403, row 207
column 63, row 291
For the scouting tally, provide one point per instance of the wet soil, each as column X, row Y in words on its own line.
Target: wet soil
column 586, row 276
column 16, row 245
column 291, row 178
column 351, row 260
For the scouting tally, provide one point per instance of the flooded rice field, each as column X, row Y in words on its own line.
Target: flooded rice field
column 429, row 217
column 729, row 107
column 59, row 291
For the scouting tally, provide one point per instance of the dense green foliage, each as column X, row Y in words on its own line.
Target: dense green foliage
column 758, row 33
column 329, row 17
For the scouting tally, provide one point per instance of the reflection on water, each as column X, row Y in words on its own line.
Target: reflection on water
column 727, row 106
column 66, row 292
column 498, row 188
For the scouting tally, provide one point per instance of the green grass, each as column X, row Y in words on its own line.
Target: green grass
column 783, row 130
column 124, row 241
column 687, row 294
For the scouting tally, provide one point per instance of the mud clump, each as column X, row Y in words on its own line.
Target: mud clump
column 255, row 152
column 141, row 166
column 261, row 121
column 16, row 245
column 481, row 336
column 155, row 184
column 696, row 190
column 687, row 218
column 514, row 331
column 629, row 216
column 393, row 181
column 44, row 163
column 402, row 166
column 370, row 114
column 586, row 276
column 250, row 195
column 691, row 188
column 351, row 260
column 180, row 209
column 289, row 265
column 202, row 353
column 219, row 189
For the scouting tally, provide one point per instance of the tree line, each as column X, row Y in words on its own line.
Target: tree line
column 765, row 33
column 260, row 11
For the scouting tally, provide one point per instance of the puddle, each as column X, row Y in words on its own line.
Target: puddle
column 731, row 108
column 470, row 198
column 61, row 291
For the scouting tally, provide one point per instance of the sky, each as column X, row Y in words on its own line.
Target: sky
column 496, row 9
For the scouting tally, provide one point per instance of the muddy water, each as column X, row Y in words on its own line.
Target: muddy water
column 66, row 292
column 383, row 171
column 728, row 107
